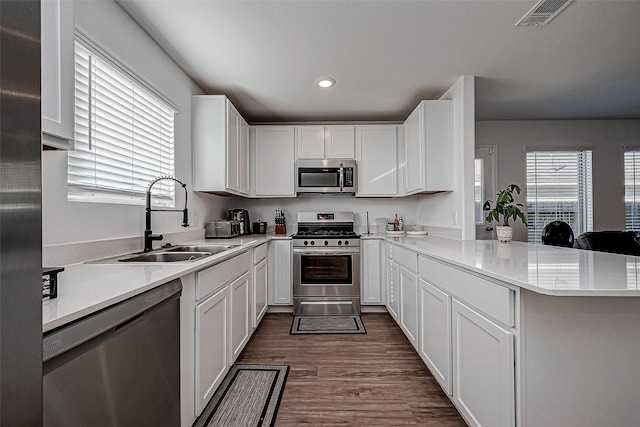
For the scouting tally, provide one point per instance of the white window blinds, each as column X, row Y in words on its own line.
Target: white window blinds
column 559, row 188
column 124, row 135
column 632, row 189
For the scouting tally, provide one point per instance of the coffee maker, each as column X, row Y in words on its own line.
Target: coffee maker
column 241, row 215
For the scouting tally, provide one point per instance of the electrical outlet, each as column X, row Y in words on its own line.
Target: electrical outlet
column 454, row 217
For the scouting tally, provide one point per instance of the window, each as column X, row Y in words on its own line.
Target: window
column 559, row 188
column 478, row 191
column 632, row 189
column 124, row 134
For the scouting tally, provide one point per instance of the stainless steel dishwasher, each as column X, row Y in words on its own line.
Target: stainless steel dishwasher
column 118, row 367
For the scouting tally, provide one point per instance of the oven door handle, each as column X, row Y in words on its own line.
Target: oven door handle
column 341, row 178
column 326, row 251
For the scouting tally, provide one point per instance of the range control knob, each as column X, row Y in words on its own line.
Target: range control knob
column 346, row 242
column 326, row 242
column 313, row 242
column 340, row 242
column 306, row 243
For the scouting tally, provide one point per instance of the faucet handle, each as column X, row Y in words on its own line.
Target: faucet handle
column 185, row 217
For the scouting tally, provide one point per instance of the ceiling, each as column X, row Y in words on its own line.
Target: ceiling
column 388, row 55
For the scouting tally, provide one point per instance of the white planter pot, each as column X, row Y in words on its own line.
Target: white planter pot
column 505, row 233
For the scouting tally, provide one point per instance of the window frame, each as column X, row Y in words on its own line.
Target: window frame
column 581, row 218
column 124, row 133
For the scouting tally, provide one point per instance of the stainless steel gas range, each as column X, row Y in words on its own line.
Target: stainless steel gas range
column 326, row 264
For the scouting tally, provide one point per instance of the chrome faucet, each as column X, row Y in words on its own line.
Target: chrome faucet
column 149, row 237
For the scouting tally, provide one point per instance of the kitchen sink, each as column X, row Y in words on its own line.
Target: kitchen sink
column 212, row 249
column 166, row 257
column 180, row 253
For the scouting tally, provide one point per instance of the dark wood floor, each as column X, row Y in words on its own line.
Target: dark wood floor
column 375, row 379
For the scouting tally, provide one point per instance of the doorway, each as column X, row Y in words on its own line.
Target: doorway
column 484, row 188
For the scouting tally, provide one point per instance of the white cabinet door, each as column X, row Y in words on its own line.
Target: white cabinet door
column 220, row 147
column 393, row 297
column 243, row 158
column 310, row 142
column 240, row 317
column 274, row 161
column 260, row 277
column 280, row 280
column 483, row 369
column 370, row 256
column 320, row 142
column 233, row 148
column 376, row 151
column 434, row 344
column 409, row 304
column 340, row 142
column 414, row 152
column 57, row 55
column 211, row 346
column 429, row 148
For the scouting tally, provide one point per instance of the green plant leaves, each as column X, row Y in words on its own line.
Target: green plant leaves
column 505, row 206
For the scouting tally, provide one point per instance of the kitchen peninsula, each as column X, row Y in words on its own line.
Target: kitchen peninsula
column 519, row 334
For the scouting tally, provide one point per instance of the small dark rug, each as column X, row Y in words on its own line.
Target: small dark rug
column 248, row 396
column 327, row 325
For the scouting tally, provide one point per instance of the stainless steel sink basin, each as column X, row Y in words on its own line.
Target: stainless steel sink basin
column 180, row 253
column 166, row 257
column 212, row 249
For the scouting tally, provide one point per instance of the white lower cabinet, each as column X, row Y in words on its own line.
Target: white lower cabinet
column 483, row 368
column 211, row 345
column 393, row 297
column 260, row 278
column 408, row 286
column 240, row 320
column 370, row 256
column 280, row 272
column 435, row 332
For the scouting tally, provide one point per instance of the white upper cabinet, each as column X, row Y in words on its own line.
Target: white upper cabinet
column 220, row 147
column 429, row 148
column 325, row 142
column 376, row 156
column 274, row 161
column 56, row 18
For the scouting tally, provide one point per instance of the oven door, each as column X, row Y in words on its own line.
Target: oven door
column 326, row 272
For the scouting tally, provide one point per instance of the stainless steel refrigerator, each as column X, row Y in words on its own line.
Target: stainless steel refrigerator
column 20, row 215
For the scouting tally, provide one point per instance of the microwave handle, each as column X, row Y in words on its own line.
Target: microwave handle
column 341, row 177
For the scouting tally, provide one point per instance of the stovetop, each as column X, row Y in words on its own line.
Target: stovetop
column 326, row 233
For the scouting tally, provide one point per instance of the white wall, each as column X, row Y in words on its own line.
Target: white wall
column 607, row 139
column 406, row 207
column 111, row 28
column 439, row 210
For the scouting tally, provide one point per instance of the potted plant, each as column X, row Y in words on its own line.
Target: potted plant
column 506, row 208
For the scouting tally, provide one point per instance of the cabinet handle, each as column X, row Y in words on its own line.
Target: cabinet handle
column 489, row 228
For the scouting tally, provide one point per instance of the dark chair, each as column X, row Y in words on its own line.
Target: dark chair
column 620, row 242
column 557, row 233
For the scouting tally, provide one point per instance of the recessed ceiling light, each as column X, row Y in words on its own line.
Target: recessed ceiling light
column 325, row 82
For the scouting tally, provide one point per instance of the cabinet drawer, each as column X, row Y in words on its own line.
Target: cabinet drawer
column 215, row 277
column 491, row 298
column 259, row 253
column 406, row 257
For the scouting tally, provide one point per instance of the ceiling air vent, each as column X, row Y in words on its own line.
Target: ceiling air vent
column 543, row 12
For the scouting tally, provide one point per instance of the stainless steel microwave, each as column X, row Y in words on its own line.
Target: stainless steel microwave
column 332, row 176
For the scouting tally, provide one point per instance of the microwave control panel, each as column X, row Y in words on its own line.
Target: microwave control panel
column 348, row 177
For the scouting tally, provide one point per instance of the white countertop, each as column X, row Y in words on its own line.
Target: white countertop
column 86, row 288
column 548, row 270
